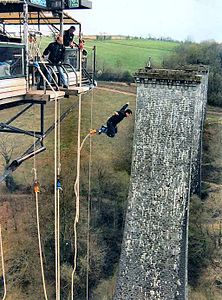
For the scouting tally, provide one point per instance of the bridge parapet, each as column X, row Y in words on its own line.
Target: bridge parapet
column 165, row 170
column 189, row 76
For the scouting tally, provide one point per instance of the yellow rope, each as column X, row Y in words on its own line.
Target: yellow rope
column 3, row 265
column 57, row 166
column 76, row 190
column 34, row 140
column 76, row 185
column 36, row 191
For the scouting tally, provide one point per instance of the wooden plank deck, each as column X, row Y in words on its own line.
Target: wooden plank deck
column 40, row 95
column 12, row 87
column 75, row 90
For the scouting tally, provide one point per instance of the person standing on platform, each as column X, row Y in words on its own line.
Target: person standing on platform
column 55, row 53
column 68, row 37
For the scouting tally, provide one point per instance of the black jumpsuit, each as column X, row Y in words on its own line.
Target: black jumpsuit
column 114, row 120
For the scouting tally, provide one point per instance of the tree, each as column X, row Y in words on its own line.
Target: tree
column 207, row 53
column 6, row 151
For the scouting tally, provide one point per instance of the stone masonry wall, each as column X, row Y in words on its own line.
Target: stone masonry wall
column 166, row 154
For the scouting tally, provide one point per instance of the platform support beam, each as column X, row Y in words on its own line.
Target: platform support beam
column 7, row 128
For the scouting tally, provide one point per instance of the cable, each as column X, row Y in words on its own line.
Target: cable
column 3, row 265
column 58, row 196
column 89, row 194
column 134, row 46
column 55, row 197
column 57, row 165
column 89, row 201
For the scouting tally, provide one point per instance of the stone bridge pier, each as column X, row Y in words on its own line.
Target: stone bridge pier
column 165, row 171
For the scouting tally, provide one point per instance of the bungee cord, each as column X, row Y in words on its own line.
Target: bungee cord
column 36, row 189
column 76, row 185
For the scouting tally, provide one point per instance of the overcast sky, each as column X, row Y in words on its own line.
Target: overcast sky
column 197, row 20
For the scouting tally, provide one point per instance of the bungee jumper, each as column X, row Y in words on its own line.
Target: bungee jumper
column 111, row 125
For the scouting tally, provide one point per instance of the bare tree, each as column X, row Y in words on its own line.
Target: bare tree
column 6, row 151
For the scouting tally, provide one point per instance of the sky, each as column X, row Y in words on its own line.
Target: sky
column 195, row 20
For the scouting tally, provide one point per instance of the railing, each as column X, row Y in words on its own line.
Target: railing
column 72, row 58
column 12, row 65
column 67, row 67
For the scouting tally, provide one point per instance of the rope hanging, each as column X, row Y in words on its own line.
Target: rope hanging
column 3, row 265
column 89, row 201
column 76, row 190
column 36, row 189
column 77, row 187
column 58, row 188
column 89, row 189
column 55, row 196
column 57, row 169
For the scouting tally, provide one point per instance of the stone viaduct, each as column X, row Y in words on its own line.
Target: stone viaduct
column 165, row 172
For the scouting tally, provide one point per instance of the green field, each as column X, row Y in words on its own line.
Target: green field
column 126, row 55
column 130, row 55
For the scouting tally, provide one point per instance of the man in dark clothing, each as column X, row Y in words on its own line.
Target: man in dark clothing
column 71, row 54
column 68, row 37
column 55, row 53
column 3, row 37
column 111, row 128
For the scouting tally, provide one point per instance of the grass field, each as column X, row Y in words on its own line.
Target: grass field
column 130, row 55
column 126, row 55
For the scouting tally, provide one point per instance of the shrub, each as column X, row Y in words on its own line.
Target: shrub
column 200, row 243
column 207, row 53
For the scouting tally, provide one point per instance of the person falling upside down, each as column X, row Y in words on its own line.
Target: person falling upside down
column 111, row 125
